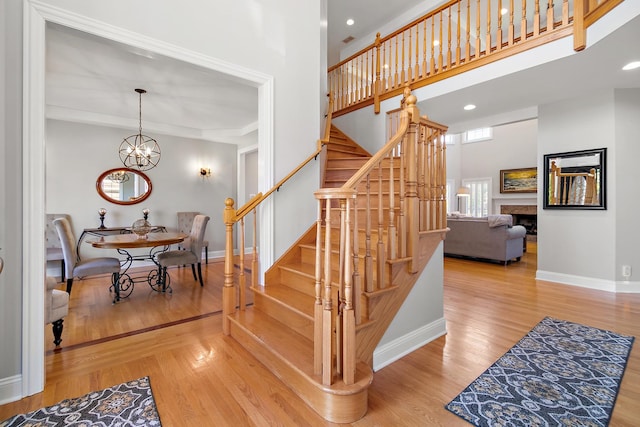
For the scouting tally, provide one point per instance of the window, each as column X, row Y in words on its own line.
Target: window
column 479, row 201
column 476, row 135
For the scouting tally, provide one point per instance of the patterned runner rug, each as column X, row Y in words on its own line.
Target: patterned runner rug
column 559, row 374
column 123, row 405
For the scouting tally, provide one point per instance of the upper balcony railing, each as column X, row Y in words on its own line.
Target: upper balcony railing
column 457, row 37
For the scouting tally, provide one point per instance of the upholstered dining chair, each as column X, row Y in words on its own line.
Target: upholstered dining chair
column 191, row 255
column 52, row 242
column 75, row 267
column 185, row 222
column 56, row 307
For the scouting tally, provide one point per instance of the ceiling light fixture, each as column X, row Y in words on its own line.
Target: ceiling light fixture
column 631, row 66
column 350, row 22
column 140, row 151
column 469, row 107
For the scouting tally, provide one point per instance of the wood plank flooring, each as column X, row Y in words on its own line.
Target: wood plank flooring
column 201, row 378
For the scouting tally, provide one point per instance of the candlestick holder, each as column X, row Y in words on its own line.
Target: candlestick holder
column 102, row 212
column 145, row 213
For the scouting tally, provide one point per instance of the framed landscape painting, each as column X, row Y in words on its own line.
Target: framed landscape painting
column 523, row 180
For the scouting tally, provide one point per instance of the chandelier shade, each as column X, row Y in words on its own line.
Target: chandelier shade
column 140, row 151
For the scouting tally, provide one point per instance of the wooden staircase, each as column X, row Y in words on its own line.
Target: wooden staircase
column 284, row 326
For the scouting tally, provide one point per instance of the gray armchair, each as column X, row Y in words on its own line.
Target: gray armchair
column 191, row 255
column 86, row 267
column 185, row 222
column 56, row 307
column 53, row 245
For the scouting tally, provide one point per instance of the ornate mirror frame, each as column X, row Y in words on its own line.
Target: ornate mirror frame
column 575, row 180
column 138, row 179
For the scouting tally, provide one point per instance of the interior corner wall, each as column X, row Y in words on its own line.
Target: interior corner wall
column 627, row 177
column 579, row 245
column 10, row 195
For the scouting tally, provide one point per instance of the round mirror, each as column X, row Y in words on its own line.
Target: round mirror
column 123, row 186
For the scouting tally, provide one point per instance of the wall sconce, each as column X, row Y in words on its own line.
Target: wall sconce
column 205, row 173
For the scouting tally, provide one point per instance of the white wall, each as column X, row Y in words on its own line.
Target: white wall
column 578, row 244
column 627, row 177
column 76, row 154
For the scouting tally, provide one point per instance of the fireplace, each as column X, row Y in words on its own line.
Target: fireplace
column 525, row 215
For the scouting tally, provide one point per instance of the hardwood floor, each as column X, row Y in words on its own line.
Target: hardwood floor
column 201, row 378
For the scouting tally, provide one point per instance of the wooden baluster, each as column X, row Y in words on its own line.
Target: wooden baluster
column 449, row 38
column 512, row 30
column 327, row 315
column 550, row 16
column 417, row 64
column 368, row 259
column 478, row 9
column 359, row 80
column 343, row 266
column 402, row 219
column 242, row 280
column 381, row 258
column 318, row 308
column 367, row 84
column 422, row 170
column 357, row 280
column 458, row 35
column 255, row 266
column 440, row 46
column 489, row 44
column 536, row 19
column 395, row 64
column 499, row 30
column 348, row 316
column 443, row 183
column 523, row 22
column 391, row 229
column 352, row 86
column 565, row 12
column 467, row 48
column 385, row 66
column 432, row 46
column 425, row 71
column 228, row 294
column 378, row 86
column 409, row 68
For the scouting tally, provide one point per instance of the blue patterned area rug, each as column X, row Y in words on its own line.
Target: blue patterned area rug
column 560, row 374
column 124, row 405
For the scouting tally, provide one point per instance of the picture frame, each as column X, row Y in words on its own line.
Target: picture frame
column 575, row 180
column 522, row 180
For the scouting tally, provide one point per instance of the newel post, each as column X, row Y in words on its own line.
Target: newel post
column 579, row 31
column 411, row 186
column 228, row 291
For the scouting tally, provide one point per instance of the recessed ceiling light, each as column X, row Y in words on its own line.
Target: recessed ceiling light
column 504, row 11
column 469, row 107
column 436, row 42
column 631, row 66
column 350, row 22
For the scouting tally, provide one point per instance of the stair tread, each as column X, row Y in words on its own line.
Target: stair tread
column 298, row 301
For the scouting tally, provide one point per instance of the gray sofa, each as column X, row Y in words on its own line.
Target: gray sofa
column 489, row 238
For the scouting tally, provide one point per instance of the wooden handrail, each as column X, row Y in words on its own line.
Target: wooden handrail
column 453, row 39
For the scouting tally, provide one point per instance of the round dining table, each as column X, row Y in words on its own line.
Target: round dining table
column 123, row 243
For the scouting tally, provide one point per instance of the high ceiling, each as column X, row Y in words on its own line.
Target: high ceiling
column 92, row 80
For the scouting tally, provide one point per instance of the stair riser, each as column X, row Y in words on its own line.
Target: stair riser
column 347, row 173
column 298, row 281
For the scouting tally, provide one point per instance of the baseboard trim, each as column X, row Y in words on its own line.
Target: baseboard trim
column 10, row 389
column 589, row 282
column 401, row 346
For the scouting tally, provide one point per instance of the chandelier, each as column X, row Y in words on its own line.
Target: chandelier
column 118, row 176
column 140, row 151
